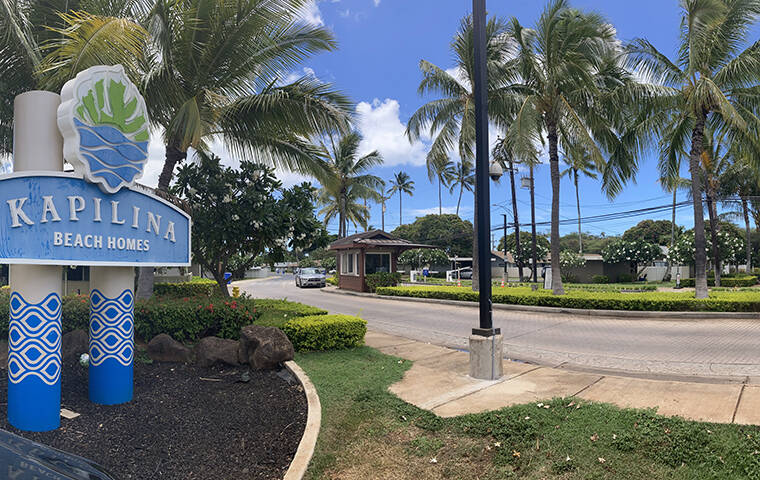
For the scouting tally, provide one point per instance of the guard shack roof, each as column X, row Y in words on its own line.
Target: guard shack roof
column 375, row 239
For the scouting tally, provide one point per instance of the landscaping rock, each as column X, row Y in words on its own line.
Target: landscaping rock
column 74, row 344
column 213, row 350
column 3, row 354
column 163, row 348
column 265, row 347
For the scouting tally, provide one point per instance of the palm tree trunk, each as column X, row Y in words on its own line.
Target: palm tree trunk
column 669, row 271
column 459, row 201
column 382, row 215
column 400, row 196
column 518, row 256
column 578, row 204
column 557, row 288
column 714, row 228
column 533, row 227
column 748, row 241
column 700, row 256
column 146, row 275
column 440, row 204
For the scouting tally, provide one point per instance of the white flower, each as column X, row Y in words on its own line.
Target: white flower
column 84, row 360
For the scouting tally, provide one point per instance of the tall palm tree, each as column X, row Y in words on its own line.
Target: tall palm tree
column 715, row 159
column 216, row 72
column 714, row 78
column 443, row 170
column 464, row 180
column 503, row 154
column 569, row 74
column 347, row 208
column 401, row 184
column 450, row 118
column 346, row 175
column 743, row 179
column 578, row 162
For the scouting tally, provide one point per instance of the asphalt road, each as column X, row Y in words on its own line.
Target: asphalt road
column 723, row 350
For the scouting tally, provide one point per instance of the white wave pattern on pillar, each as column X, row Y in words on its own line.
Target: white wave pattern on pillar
column 111, row 328
column 34, row 334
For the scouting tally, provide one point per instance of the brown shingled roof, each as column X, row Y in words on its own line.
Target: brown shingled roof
column 377, row 238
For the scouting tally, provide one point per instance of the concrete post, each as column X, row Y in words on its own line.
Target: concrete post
column 34, row 357
column 112, row 304
column 486, row 357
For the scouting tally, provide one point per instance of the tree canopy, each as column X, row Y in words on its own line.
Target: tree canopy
column 652, row 231
column 542, row 247
column 447, row 232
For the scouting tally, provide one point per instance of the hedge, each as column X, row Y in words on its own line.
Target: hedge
column 382, row 279
column 276, row 313
column 747, row 281
column 325, row 332
column 649, row 301
column 194, row 288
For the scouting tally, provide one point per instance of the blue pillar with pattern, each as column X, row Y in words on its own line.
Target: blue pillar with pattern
column 34, row 363
column 111, row 334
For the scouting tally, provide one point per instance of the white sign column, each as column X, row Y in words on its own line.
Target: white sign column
column 34, row 359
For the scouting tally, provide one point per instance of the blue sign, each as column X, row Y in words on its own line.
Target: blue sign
column 59, row 219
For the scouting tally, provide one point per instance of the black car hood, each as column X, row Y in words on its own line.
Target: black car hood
column 22, row 459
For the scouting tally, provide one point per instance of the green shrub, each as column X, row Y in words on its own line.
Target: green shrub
column 332, row 280
column 600, row 279
column 648, row 301
column 744, row 281
column 276, row 313
column 383, row 279
column 325, row 332
column 612, row 287
column 625, row 278
column 193, row 288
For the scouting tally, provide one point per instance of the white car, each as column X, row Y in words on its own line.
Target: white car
column 310, row 277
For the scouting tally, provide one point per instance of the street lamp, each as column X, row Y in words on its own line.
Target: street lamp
column 495, row 171
column 486, row 348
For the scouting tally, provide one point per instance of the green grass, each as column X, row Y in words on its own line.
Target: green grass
column 719, row 301
column 369, row 433
column 275, row 313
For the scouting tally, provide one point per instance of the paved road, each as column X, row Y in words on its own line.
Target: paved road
column 729, row 349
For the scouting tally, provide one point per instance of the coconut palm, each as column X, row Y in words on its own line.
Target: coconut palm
column 464, row 180
column 443, row 170
column 714, row 79
column 44, row 44
column 401, row 184
column 347, row 207
column 346, row 175
column 450, row 118
column 743, row 179
column 503, row 154
column 217, row 73
column 569, row 74
column 578, row 162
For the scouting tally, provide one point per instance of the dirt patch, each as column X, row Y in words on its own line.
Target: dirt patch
column 184, row 422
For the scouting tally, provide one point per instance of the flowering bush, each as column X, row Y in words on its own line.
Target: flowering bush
column 730, row 248
column 570, row 259
column 635, row 252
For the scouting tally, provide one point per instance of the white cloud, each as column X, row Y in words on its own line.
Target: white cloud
column 376, row 2
column 421, row 212
column 310, row 13
column 295, row 75
column 344, row 13
column 382, row 129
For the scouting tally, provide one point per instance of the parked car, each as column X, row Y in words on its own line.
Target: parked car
column 24, row 459
column 465, row 274
column 310, row 277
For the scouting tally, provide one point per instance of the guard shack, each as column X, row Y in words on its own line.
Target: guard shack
column 365, row 253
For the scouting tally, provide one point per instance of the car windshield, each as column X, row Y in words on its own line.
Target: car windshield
column 309, row 271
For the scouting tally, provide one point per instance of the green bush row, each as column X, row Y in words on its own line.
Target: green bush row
column 383, row 279
column 325, row 332
column 747, row 281
column 194, row 288
column 332, row 280
column 648, row 301
column 276, row 313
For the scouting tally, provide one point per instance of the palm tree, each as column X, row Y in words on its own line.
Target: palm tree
column 464, row 180
column 401, row 184
column 216, row 73
column 568, row 72
column 44, row 44
column 715, row 79
column 451, row 118
column 502, row 153
column 578, row 162
column 442, row 169
column 714, row 160
column 742, row 179
column 346, row 175
column 347, row 207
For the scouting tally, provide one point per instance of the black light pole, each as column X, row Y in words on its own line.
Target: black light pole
column 505, row 244
column 480, row 92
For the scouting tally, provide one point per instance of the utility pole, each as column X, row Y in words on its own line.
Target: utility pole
column 505, row 246
column 518, row 250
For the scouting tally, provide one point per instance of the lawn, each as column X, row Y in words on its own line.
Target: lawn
column 368, row 433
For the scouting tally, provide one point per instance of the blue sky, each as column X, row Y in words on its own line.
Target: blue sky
column 380, row 45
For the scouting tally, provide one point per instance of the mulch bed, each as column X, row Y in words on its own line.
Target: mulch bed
column 185, row 422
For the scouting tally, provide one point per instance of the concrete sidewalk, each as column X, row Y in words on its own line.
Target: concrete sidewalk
column 439, row 381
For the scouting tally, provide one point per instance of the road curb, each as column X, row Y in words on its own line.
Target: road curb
column 623, row 314
column 308, row 442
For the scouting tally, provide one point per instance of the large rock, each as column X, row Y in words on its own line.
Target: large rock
column 163, row 348
column 74, row 344
column 264, row 347
column 214, row 350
